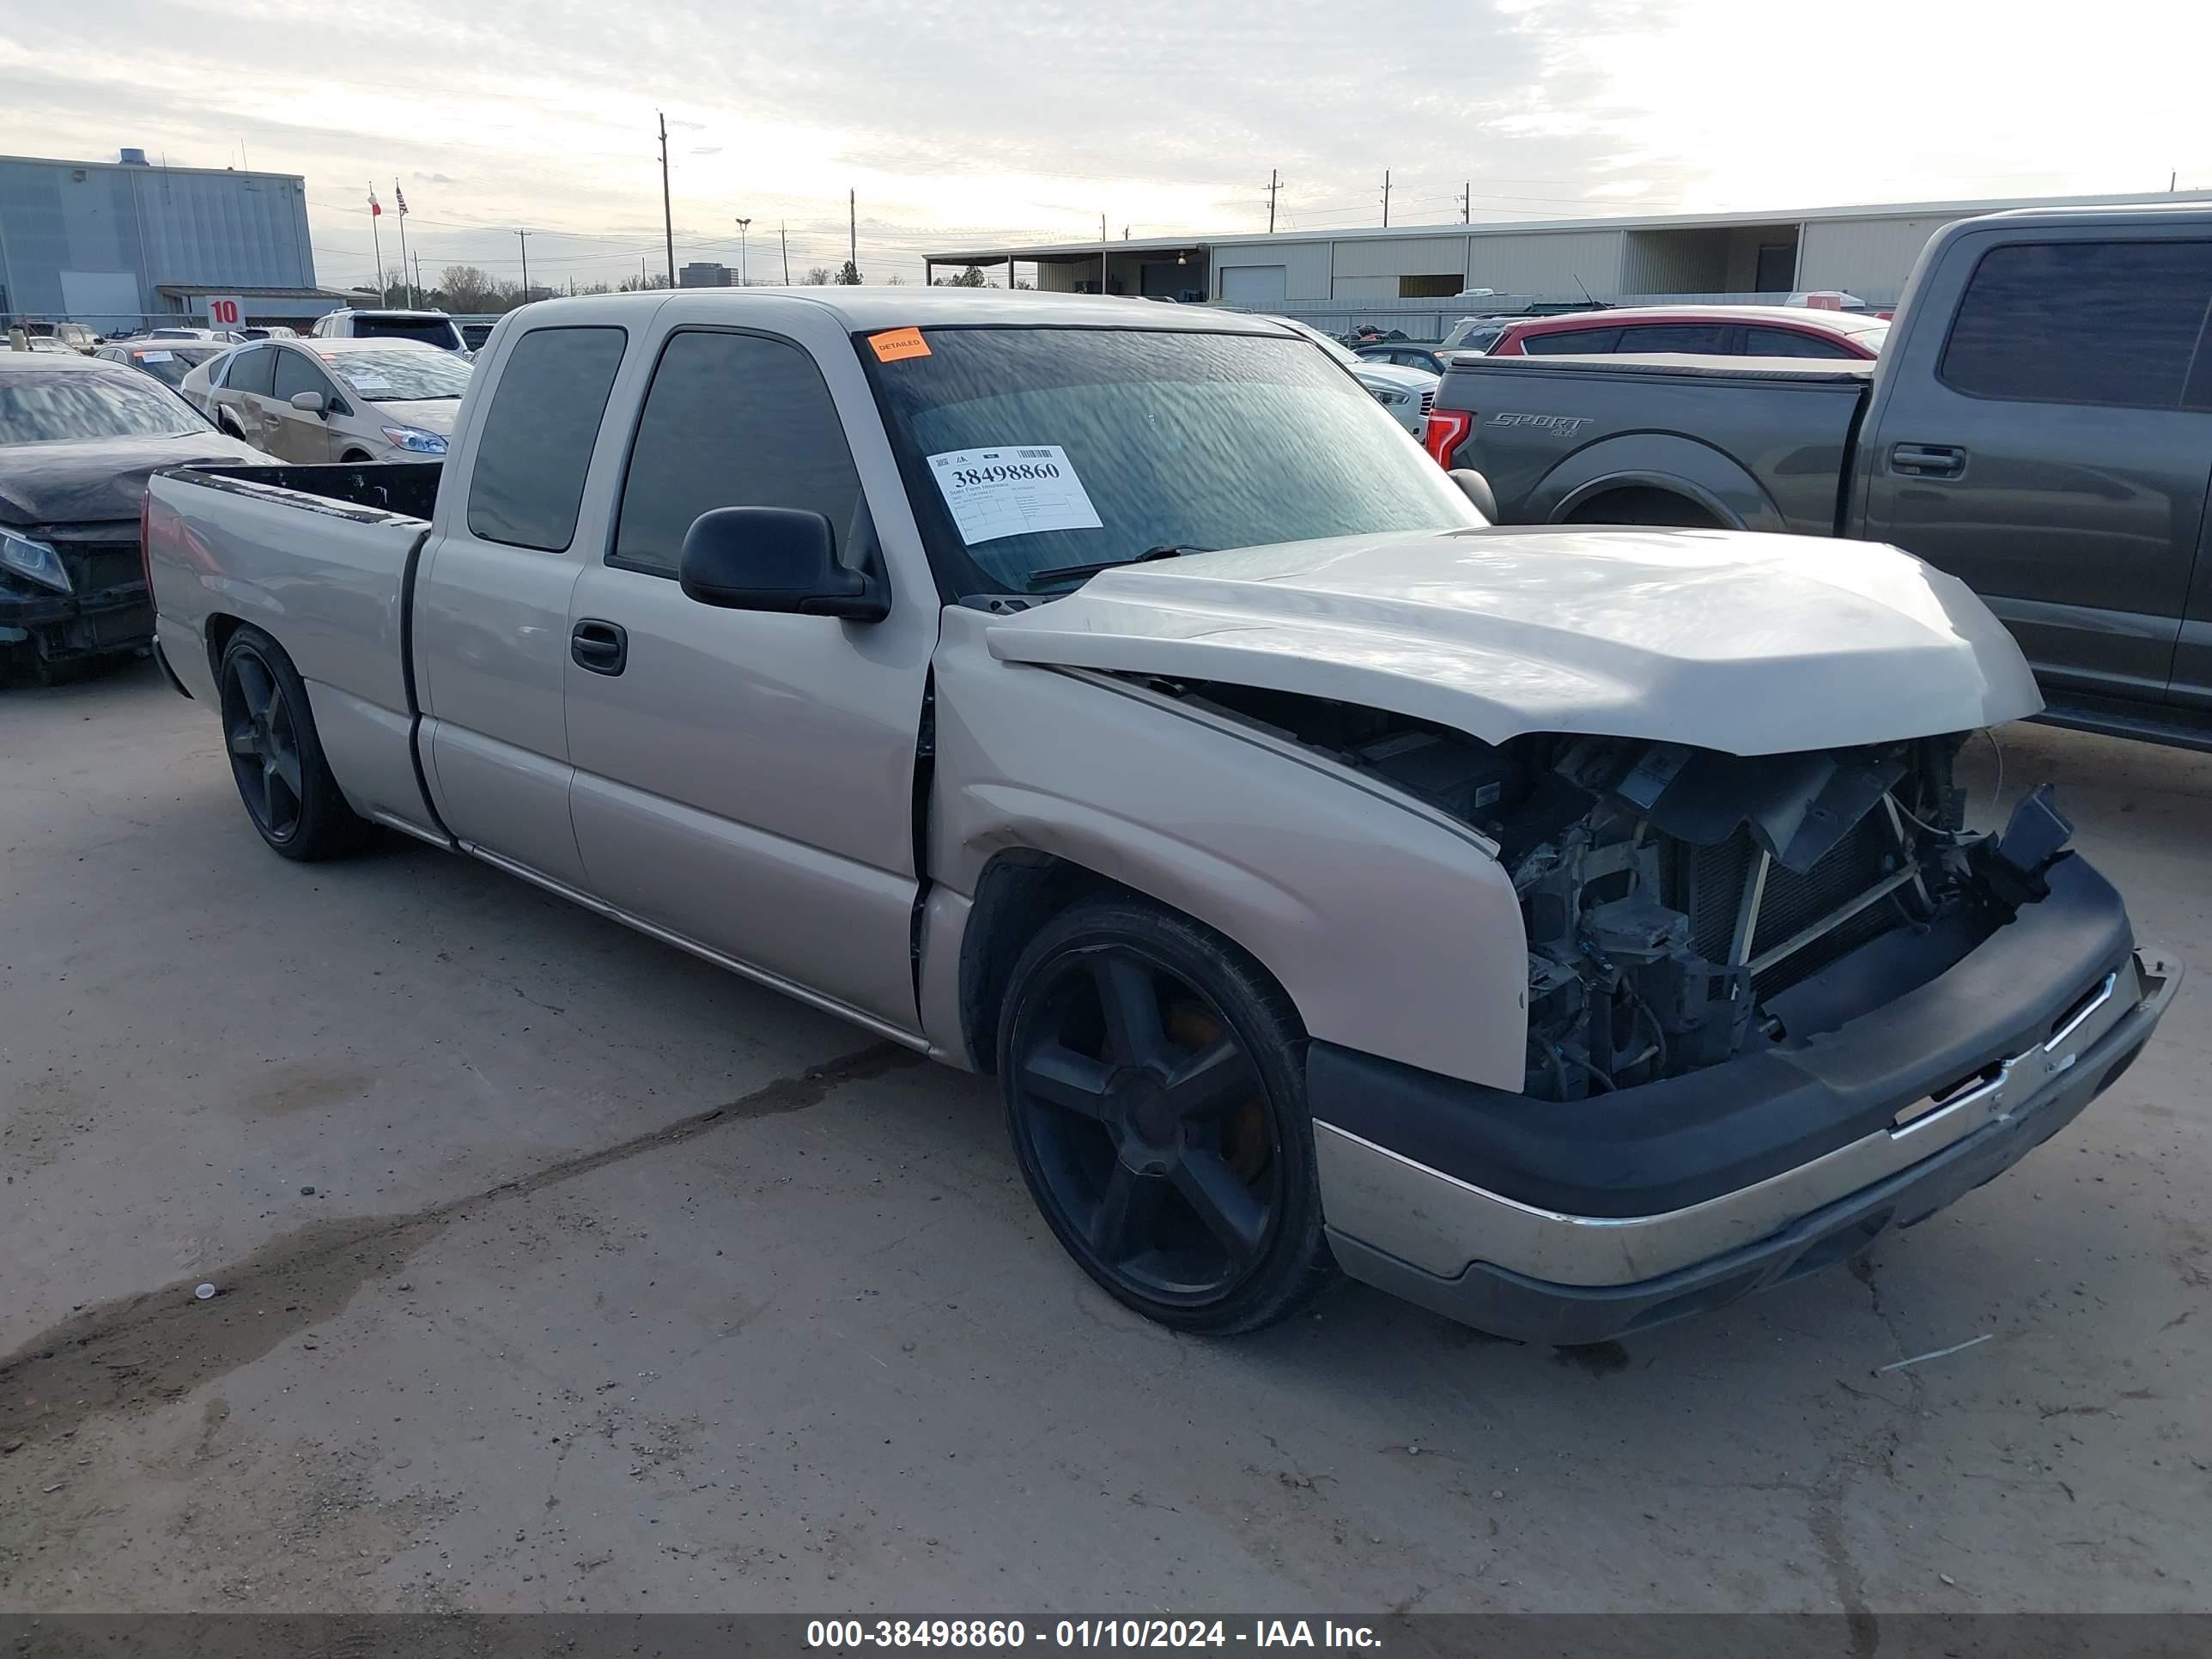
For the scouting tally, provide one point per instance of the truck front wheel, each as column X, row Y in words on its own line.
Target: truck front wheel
column 1155, row 1085
column 275, row 756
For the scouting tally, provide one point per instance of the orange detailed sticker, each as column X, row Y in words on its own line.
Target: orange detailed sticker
column 897, row 344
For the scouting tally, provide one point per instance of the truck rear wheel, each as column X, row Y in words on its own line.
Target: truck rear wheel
column 1155, row 1085
column 275, row 756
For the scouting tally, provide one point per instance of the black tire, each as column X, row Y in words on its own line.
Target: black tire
column 1155, row 1085
column 275, row 756
column 353, row 458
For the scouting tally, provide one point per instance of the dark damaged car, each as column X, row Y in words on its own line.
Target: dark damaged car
column 78, row 439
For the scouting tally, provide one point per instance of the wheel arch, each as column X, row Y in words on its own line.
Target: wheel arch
column 1698, row 473
column 1020, row 890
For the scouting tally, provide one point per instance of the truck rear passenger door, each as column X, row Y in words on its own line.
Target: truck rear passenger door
column 2043, row 450
column 490, row 620
column 746, row 780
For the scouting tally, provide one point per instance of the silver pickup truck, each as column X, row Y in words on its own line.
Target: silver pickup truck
column 1569, row 929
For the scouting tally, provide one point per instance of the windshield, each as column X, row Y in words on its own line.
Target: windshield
column 56, row 407
column 1035, row 450
column 398, row 375
column 431, row 331
column 170, row 364
column 1473, row 335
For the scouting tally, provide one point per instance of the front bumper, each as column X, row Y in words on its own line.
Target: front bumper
column 1507, row 1262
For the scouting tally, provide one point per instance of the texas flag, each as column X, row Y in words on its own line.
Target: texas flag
column 375, row 207
column 400, row 196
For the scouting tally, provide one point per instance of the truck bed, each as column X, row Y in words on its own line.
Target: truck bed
column 319, row 557
column 406, row 491
column 1773, row 435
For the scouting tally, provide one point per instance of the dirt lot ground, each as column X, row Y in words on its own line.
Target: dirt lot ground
column 562, row 1272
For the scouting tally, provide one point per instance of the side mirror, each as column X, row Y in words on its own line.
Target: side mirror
column 308, row 402
column 1476, row 489
column 775, row 559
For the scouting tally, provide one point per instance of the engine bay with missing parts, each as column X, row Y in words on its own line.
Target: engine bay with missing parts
column 1682, row 906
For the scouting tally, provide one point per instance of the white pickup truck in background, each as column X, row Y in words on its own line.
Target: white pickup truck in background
column 1570, row 929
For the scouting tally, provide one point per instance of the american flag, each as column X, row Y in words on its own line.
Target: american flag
column 400, row 196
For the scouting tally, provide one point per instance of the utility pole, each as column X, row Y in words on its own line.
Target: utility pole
column 1466, row 203
column 1386, row 199
column 523, row 237
column 852, row 229
column 667, row 221
column 1274, row 184
column 1102, row 256
column 419, row 287
column 742, row 223
column 784, row 236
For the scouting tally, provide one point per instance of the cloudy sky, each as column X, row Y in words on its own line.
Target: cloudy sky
column 962, row 124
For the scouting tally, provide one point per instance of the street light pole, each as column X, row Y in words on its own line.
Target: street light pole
column 742, row 223
column 523, row 237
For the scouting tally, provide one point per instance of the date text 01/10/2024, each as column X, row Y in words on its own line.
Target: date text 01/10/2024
column 853, row 1634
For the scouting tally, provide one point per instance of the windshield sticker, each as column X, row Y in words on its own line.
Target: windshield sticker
column 156, row 356
column 896, row 343
column 1012, row 492
column 366, row 380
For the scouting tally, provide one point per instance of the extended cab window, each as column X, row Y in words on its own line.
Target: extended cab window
column 730, row 420
column 537, row 436
column 2111, row 323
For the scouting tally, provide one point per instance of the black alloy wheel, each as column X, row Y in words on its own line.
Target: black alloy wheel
column 260, row 730
column 1154, row 1082
column 276, row 758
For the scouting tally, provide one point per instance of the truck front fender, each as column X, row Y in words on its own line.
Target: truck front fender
column 1392, row 928
column 1715, row 488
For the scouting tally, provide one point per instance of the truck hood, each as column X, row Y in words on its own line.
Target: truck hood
column 1750, row 644
column 101, row 478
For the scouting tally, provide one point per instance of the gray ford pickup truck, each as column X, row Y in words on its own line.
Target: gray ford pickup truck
column 2039, row 425
column 1568, row 929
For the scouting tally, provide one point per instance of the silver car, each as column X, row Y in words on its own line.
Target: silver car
column 334, row 400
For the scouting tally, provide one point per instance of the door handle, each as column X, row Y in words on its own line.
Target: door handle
column 1928, row 460
column 601, row 647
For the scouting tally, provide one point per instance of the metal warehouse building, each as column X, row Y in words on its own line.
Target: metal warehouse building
column 1397, row 277
column 109, row 243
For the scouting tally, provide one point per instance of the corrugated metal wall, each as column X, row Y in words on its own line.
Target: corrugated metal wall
column 1674, row 261
column 1546, row 264
column 248, row 230
column 1305, row 265
column 1870, row 258
column 1399, row 256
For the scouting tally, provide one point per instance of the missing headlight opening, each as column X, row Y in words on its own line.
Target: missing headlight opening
column 1682, row 906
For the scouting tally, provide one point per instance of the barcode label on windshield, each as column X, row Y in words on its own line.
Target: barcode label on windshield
column 1033, row 454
